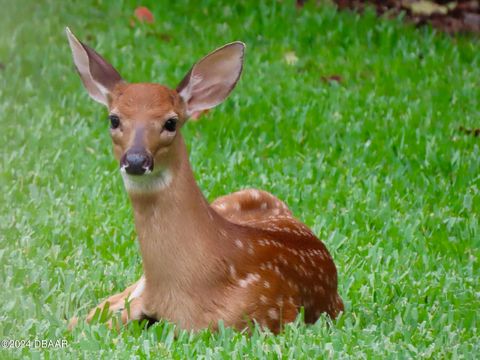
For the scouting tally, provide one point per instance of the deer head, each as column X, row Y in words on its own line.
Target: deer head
column 146, row 118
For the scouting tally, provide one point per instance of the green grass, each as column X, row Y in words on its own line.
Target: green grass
column 375, row 165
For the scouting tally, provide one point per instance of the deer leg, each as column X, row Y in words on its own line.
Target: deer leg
column 122, row 316
column 118, row 304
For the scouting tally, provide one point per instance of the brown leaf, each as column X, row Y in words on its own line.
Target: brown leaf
column 162, row 36
column 300, row 3
column 474, row 132
column 332, row 78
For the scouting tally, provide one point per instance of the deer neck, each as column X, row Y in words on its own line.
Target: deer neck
column 182, row 239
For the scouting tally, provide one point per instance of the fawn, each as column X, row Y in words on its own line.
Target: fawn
column 240, row 259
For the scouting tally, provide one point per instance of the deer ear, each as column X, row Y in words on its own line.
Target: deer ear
column 98, row 76
column 211, row 80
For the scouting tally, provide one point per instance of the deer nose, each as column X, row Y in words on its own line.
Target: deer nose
column 137, row 162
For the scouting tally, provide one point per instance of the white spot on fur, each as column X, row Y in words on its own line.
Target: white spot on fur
column 239, row 244
column 233, row 272
column 237, row 207
column 263, row 299
column 223, row 233
column 221, row 206
column 250, row 279
column 283, row 260
column 266, row 284
column 255, row 194
column 273, row 313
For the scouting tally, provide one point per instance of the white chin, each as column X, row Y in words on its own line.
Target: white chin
column 148, row 182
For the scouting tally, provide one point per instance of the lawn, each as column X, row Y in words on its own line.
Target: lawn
column 375, row 163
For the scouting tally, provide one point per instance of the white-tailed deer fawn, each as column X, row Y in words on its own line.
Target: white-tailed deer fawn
column 241, row 259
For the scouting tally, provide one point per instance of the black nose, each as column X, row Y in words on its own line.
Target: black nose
column 137, row 162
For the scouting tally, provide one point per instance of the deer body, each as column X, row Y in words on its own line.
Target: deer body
column 242, row 258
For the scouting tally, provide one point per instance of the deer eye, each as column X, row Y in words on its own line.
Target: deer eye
column 114, row 121
column 171, row 125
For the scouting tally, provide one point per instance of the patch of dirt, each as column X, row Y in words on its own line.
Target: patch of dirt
column 473, row 132
column 449, row 16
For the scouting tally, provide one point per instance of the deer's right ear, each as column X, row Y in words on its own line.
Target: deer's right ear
column 98, row 76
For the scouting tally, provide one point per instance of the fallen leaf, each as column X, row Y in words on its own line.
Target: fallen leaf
column 332, row 78
column 162, row 36
column 426, row 8
column 290, row 58
column 143, row 14
column 474, row 132
column 300, row 3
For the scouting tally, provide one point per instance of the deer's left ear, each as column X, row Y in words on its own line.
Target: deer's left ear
column 98, row 76
column 211, row 80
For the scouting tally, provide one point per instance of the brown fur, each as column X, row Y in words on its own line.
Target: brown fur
column 188, row 246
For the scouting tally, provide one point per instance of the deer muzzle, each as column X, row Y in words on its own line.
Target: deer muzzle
column 137, row 162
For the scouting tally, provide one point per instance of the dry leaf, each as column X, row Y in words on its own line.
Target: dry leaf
column 425, row 8
column 474, row 132
column 332, row 78
column 290, row 58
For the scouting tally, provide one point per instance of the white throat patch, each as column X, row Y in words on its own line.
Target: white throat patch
column 149, row 182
